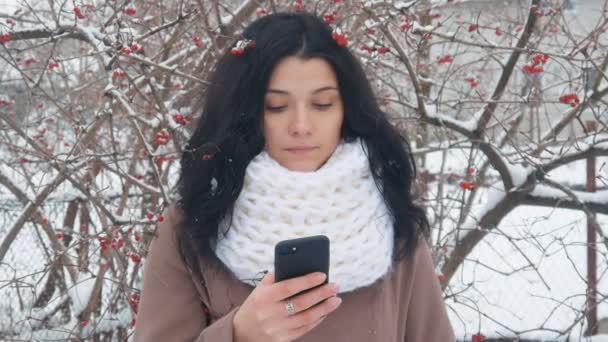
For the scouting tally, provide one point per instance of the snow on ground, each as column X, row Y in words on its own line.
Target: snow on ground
column 509, row 292
column 527, row 277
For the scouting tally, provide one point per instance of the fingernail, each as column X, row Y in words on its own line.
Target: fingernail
column 335, row 301
column 321, row 276
column 334, row 287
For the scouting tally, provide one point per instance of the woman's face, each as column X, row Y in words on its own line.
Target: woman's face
column 303, row 113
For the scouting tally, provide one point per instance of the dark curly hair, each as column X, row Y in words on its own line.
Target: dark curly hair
column 229, row 134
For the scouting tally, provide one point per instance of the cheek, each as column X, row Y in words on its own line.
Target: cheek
column 272, row 132
column 335, row 125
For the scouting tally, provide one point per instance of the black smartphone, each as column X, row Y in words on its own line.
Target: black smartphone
column 298, row 257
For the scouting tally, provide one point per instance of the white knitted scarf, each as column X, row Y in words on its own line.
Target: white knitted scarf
column 339, row 200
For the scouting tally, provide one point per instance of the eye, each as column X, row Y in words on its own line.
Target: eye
column 323, row 106
column 275, row 109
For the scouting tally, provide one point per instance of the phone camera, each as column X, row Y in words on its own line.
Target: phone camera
column 286, row 250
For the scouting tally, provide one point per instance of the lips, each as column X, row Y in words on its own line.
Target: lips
column 300, row 149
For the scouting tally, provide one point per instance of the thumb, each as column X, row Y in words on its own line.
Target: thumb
column 268, row 279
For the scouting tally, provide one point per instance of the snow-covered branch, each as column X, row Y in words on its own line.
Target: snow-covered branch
column 595, row 145
column 552, row 196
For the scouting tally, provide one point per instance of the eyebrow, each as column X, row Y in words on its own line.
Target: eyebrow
column 285, row 92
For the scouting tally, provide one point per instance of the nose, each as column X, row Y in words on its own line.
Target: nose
column 300, row 123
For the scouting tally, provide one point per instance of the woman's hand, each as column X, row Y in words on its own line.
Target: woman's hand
column 264, row 318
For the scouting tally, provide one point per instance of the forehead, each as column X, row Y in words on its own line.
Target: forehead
column 294, row 74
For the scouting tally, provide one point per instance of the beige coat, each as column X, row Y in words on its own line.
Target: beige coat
column 405, row 305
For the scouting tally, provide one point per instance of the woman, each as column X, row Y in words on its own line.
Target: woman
column 292, row 143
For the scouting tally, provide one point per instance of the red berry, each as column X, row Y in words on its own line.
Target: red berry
column 260, row 12
column 5, row 38
column 329, row 18
column 197, row 41
column 445, row 59
column 339, row 38
column 366, row 48
column 465, row 185
column 160, row 218
column 78, row 13
column 130, row 11
column 478, row 338
column 237, row 51
column 149, row 216
column 178, row 118
column 162, row 138
column 118, row 74
column 571, row 99
column 536, row 11
column 473, row 82
column 531, row 69
column 383, row 50
column 539, row 59
column 160, row 159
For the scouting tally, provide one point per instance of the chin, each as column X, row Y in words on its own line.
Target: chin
column 301, row 166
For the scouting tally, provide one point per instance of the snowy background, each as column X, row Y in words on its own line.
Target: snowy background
column 72, row 264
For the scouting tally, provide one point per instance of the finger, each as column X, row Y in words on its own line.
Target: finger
column 287, row 288
column 313, row 314
column 294, row 334
column 307, row 300
column 268, row 279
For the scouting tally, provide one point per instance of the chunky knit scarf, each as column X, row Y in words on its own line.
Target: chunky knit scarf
column 339, row 200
